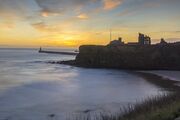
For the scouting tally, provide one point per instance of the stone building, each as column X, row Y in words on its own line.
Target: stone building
column 116, row 42
column 144, row 39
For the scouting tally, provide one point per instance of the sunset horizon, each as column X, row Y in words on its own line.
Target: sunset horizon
column 61, row 23
column 90, row 59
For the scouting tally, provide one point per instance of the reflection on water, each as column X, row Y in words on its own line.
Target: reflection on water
column 31, row 89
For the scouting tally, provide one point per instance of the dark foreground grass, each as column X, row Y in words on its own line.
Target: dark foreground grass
column 162, row 107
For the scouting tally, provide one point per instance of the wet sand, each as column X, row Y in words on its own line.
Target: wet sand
column 165, row 83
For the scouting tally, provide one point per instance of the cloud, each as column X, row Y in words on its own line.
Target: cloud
column 52, row 28
column 10, row 12
column 13, row 11
column 83, row 16
column 7, row 25
column 136, row 6
column 17, row 8
column 25, row 9
column 47, row 13
column 111, row 4
column 56, row 7
column 42, row 27
column 50, row 7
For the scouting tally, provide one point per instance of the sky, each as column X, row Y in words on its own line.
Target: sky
column 71, row 23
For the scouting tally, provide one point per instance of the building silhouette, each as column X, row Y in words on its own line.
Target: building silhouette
column 116, row 42
column 144, row 39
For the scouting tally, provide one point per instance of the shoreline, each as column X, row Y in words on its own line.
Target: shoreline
column 74, row 63
column 155, row 79
column 165, row 83
column 160, row 107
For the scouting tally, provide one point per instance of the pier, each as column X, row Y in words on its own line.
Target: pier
column 58, row 52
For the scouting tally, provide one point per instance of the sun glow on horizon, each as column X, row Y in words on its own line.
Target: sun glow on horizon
column 50, row 23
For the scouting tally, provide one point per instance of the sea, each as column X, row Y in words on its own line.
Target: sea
column 33, row 89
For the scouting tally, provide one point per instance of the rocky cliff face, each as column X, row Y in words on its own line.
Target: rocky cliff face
column 163, row 57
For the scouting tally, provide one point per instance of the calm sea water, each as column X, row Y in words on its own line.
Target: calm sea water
column 31, row 89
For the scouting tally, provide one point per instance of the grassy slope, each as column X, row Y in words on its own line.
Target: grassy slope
column 159, row 108
column 164, row 107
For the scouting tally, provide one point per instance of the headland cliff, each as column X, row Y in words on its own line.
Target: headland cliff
column 135, row 57
column 141, row 55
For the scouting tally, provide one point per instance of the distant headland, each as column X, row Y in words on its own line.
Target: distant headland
column 141, row 55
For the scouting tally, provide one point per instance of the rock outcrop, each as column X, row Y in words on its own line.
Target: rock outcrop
column 140, row 57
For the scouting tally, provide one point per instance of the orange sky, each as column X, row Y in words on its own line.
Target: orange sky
column 34, row 23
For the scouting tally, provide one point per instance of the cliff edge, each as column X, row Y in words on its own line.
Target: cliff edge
column 140, row 57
